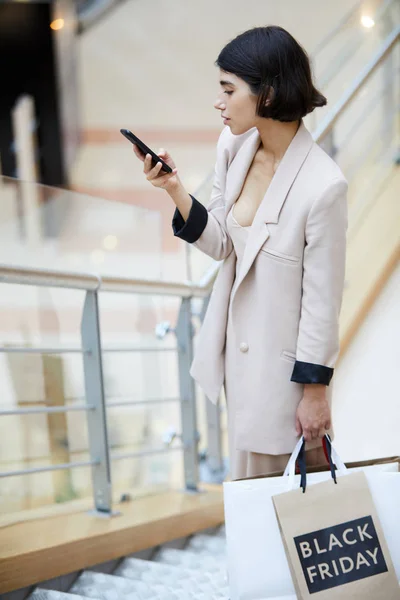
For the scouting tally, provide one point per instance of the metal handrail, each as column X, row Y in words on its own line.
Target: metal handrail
column 47, row 410
column 337, row 28
column 150, row 452
column 347, row 52
column 143, row 402
column 329, row 122
column 83, row 407
column 48, row 278
column 39, row 350
column 60, row 467
column 65, row 350
column 45, row 277
column 108, row 349
column 158, row 287
column 90, row 463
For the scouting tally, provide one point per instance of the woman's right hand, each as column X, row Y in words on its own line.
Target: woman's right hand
column 154, row 174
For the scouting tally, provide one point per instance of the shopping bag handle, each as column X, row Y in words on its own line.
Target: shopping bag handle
column 298, row 455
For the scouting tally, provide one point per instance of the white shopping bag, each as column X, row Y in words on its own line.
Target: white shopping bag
column 257, row 565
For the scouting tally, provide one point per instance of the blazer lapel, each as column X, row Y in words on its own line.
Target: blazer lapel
column 275, row 196
column 239, row 168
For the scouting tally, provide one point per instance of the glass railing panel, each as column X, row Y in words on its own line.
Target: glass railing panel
column 49, row 227
column 59, row 229
column 340, row 57
column 147, row 475
column 32, row 318
column 138, row 368
column 366, row 141
column 366, row 136
column 149, row 377
column 35, row 491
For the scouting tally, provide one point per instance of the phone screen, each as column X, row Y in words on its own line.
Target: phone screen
column 145, row 149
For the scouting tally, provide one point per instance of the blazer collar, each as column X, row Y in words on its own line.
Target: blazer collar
column 272, row 202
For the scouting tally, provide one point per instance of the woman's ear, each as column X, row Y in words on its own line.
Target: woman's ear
column 270, row 96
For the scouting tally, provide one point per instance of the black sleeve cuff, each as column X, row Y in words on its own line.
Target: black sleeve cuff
column 304, row 372
column 191, row 229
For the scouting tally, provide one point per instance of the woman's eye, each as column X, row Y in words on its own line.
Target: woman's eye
column 229, row 93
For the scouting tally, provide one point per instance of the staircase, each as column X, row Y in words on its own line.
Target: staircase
column 190, row 568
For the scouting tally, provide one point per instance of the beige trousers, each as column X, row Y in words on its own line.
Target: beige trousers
column 251, row 464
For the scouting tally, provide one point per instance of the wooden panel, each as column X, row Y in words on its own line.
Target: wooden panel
column 43, row 548
column 373, row 252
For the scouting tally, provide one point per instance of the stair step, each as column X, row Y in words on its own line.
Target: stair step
column 110, row 587
column 191, row 560
column 41, row 594
column 207, row 544
column 113, row 587
column 178, row 578
column 197, row 572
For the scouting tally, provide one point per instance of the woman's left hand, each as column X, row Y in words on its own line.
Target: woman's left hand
column 313, row 416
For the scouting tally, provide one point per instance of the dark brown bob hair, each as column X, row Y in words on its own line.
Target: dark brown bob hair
column 269, row 58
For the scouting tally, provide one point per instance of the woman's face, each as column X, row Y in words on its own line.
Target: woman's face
column 237, row 103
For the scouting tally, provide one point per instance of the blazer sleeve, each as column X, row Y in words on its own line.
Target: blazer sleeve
column 205, row 228
column 322, row 287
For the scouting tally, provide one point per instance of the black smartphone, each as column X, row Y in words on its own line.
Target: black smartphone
column 145, row 149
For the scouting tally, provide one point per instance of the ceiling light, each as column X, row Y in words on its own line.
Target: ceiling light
column 367, row 22
column 57, row 24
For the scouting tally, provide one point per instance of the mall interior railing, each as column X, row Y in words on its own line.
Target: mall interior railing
column 92, row 352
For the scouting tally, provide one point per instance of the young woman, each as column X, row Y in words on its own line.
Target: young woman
column 277, row 219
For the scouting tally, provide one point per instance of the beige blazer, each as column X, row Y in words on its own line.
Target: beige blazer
column 286, row 306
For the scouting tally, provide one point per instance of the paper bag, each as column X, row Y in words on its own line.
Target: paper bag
column 257, row 563
column 334, row 541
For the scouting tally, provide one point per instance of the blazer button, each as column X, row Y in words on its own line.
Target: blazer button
column 243, row 347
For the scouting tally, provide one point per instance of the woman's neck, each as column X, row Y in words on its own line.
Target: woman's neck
column 276, row 137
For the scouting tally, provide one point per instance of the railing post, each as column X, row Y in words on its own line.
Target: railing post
column 389, row 74
column 97, row 418
column 184, row 334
